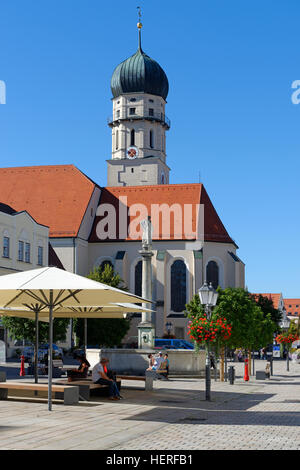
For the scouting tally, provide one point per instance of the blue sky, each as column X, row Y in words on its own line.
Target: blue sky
column 230, row 67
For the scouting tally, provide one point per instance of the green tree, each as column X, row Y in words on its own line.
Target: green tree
column 267, row 306
column 23, row 328
column 251, row 329
column 107, row 332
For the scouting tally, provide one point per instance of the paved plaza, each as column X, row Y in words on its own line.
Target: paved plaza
column 262, row 415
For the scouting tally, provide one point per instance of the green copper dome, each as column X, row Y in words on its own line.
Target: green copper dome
column 139, row 73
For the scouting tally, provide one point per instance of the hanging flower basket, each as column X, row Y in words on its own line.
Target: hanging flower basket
column 286, row 338
column 202, row 330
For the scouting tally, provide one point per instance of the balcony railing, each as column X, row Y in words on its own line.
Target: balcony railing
column 156, row 117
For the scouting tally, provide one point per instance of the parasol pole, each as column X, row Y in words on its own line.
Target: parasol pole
column 50, row 359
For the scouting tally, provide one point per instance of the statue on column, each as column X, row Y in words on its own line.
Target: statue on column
column 147, row 233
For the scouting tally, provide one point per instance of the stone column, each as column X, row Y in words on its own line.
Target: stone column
column 146, row 330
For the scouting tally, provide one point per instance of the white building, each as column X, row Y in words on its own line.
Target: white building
column 24, row 244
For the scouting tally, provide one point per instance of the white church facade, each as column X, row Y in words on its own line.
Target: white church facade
column 90, row 225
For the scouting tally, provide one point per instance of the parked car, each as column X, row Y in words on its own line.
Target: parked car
column 164, row 343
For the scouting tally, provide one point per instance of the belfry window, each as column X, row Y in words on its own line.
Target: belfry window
column 131, row 111
column 117, row 140
column 151, row 139
column 132, row 137
column 212, row 274
column 178, row 285
column 151, row 112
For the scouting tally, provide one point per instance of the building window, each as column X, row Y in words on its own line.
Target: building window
column 6, row 247
column 131, row 111
column 118, row 113
column 21, row 251
column 212, row 274
column 40, row 256
column 151, row 139
column 117, row 140
column 151, row 112
column 132, row 99
column 138, row 279
column 179, row 332
column 27, row 252
column 178, row 286
column 132, row 137
column 104, row 263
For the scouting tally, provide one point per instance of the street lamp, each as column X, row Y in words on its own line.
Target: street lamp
column 208, row 297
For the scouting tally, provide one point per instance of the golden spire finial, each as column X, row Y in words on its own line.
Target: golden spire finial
column 139, row 25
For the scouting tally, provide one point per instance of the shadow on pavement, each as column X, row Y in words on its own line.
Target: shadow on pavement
column 224, row 417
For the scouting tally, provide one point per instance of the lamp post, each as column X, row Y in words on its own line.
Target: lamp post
column 208, row 298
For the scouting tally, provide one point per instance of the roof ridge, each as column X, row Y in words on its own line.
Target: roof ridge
column 159, row 186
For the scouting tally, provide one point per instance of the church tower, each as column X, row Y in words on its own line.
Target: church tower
column 139, row 87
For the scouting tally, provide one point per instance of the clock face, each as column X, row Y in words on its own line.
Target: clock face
column 132, row 152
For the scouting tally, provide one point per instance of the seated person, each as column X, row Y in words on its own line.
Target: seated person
column 165, row 366
column 111, row 374
column 151, row 362
column 81, row 372
column 100, row 377
column 157, row 361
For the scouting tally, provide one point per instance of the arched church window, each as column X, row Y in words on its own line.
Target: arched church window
column 151, row 139
column 178, row 285
column 132, row 137
column 138, row 279
column 105, row 263
column 212, row 274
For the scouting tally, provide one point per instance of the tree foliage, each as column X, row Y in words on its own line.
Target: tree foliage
column 251, row 328
column 103, row 332
column 23, row 328
column 267, row 306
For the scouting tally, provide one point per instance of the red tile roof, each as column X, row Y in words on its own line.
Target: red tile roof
column 274, row 297
column 56, row 196
column 292, row 306
column 170, row 194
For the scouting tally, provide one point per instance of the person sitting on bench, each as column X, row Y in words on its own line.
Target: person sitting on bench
column 151, row 362
column 111, row 374
column 158, row 360
column 100, row 377
column 81, row 372
column 165, row 366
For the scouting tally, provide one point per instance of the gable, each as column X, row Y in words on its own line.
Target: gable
column 161, row 202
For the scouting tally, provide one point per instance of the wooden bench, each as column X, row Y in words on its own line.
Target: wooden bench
column 148, row 378
column 85, row 386
column 70, row 395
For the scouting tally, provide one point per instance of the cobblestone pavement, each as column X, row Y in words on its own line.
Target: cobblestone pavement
column 175, row 416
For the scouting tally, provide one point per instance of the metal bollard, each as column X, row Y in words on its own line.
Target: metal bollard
column 231, row 374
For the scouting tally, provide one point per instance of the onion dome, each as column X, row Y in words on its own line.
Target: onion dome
column 139, row 74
